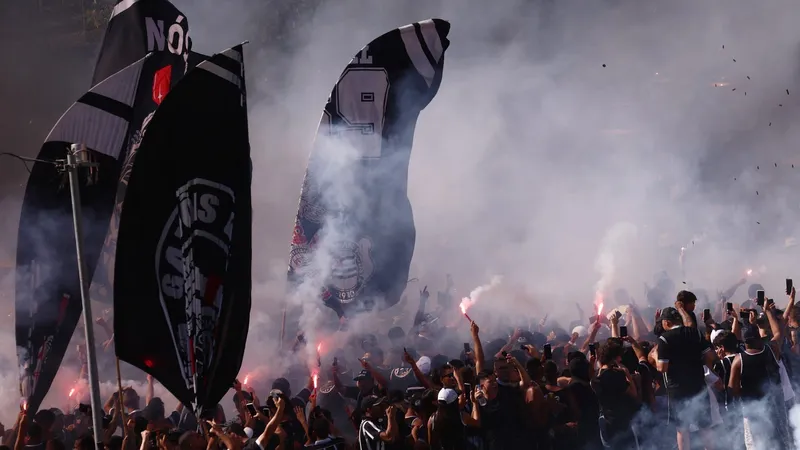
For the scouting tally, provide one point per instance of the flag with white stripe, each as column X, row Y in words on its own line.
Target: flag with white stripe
column 145, row 51
column 354, row 232
column 184, row 246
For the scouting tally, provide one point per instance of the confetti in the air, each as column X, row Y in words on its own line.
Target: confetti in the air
column 787, row 92
column 756, row 192
column 758, row 223
column 758, row 167
column 733, row 89
column 770, row 124
column 780, row 104
column 748, row 77
column 734, row 60
column 604, row 65
column 776, row 164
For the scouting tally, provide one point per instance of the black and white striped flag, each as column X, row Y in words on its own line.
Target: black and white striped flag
column 354, row 231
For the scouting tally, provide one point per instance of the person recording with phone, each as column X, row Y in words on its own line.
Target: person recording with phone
column 617, row 395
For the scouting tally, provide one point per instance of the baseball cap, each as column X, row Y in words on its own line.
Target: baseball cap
column 671, row 314
column 750, row 333
column 424, row 365
column 447, row 396
column 714, row 334
column 363, row 375
column 371, row 401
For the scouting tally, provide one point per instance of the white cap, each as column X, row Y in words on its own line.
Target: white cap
column 714, row 335
column 447, row 395
column 580, row 329
column 424, row 365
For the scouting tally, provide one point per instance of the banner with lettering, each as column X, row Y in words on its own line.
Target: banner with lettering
column 184, row 250
column 354, row 231
column 145, row 52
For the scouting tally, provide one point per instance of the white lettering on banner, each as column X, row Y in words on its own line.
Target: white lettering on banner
column 174, row 38
column 201, row 221
column 361, row 96
column 363, row 57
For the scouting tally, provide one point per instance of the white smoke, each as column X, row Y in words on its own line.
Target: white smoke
column 614, row 244
column 478, row 293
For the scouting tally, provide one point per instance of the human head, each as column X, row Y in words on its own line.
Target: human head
column 447, row 376
column 725, row 342
column 364, row 381
column 579, row 369
column 45, row 418
column 670, row 318
column 283, row 385
column 752, row 337
column 488, row 381
column 611, row 352
column 374, row 406
column 321, row 428
column 130, row 398
column 688, row 298
column 550, row 372
column 375, row 356
column 397, row 336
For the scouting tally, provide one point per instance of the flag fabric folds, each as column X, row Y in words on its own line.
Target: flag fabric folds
column 354, row 232
column 183, row 269
column 144, row 53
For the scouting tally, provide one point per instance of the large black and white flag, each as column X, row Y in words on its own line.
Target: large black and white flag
column 144, row 53
column 184, row 248
column 354, row 232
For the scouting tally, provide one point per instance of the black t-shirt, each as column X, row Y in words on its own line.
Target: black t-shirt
column 684, row 349
column 402, row 378
column 502, row 420
column 588, row 410
column 611, row 388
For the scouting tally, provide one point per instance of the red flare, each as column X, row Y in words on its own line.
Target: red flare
column 246, row 377
column 315, row 377
column 71, row 392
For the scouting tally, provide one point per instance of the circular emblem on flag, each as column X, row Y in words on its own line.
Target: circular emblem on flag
column 327, row 388
column 352, row 268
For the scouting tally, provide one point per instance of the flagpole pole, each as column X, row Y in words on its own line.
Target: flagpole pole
column 76, row 158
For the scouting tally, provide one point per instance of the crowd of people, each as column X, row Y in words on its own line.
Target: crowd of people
column 698, row 373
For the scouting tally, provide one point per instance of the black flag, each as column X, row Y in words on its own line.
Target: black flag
column 144, row 53
column 354, row 232
column 184, row 247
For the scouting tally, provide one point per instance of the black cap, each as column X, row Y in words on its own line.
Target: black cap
column 671, row 314
column 750, row 333
column 371, row 401
column 363, row 375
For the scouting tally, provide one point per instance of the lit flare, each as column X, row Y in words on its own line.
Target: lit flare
column 464, row 306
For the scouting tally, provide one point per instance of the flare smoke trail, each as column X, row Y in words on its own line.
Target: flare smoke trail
column 477, row 293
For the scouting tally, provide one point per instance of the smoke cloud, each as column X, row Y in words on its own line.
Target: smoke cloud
column 556, row 124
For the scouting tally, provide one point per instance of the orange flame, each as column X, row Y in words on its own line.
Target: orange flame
column 315, row 377
column 71, row 392
column 319, row 348
column 246, row 377
column 598, row 302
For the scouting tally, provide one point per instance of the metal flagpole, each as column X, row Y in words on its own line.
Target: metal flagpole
column 78, row 157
